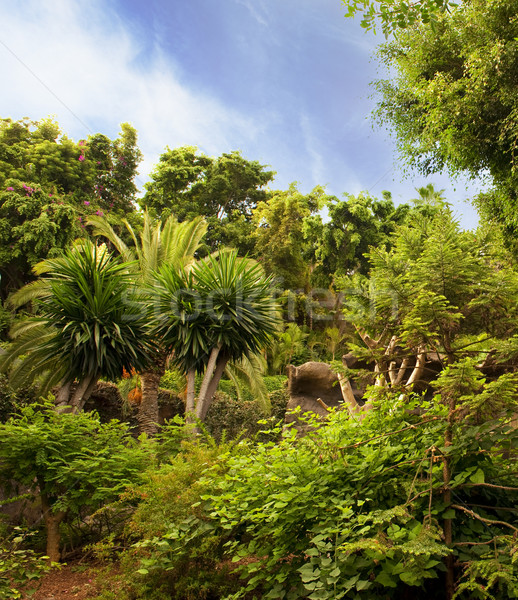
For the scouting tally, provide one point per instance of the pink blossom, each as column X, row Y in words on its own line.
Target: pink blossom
column 99, row 213
column 86, row 203
column 50, row 195
column 10, row 189
column 81, row 158
column 81, row 142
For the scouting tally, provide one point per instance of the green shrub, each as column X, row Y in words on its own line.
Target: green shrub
column 73, row 463
column 174, row 381
column 12, row 400
column 19, row 565
column 232, row 418
column 173, row 494
column 354, row 509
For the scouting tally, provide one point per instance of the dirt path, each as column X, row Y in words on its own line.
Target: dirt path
column 70, row 582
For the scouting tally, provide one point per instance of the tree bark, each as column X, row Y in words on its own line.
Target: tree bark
column 148, row 410
column 209, row 371
column 53, row 536
column 204, row 402
column 150, row 382
column 63, row 395
column 52, row 522
column 79, row 403
column 418, row 371
column 190, row 396
column 348, row 396
column 83, row 388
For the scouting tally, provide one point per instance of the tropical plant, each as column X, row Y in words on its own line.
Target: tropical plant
column 220, row 310
column 89, row 324
column 173, row 244
column 285, row 346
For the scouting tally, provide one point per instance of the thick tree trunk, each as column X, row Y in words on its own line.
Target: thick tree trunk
column 204, row 402
column 82, row 393
column 52, row 522
column 148, row 410
column 63, row 395
column 209, row 371
column 53, row 536
column 150, row 382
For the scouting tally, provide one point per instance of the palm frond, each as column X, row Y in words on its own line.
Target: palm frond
column 247, row 373
column 103, row 228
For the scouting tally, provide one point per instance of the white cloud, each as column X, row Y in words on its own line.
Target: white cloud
column 79, row 62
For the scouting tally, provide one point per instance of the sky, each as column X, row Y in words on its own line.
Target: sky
column 286, row 82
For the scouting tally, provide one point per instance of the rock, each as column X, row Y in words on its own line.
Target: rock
column 309, row 383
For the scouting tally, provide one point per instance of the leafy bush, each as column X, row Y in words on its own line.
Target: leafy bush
column 232, row 418
column 354, row 509
column 174, row 381
column 12, row 400
column 73, row 463
column 172, row 494
column 19, row 566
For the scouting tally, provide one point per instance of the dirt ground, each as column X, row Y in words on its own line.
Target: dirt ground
column 70, row 582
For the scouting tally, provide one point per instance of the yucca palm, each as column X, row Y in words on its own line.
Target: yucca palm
column 222, row 309
column 173, row 244
column 84, row 327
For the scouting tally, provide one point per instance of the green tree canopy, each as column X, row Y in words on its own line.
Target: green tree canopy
column 394, row 14
column 50, row 184
column 339, row 245
column 281, row 246
column 224, row 190
column 453, row 102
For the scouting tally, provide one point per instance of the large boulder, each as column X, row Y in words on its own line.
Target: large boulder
column 313, row 386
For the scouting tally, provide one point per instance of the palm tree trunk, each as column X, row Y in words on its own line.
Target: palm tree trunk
column 204, row 402
column 82, row 393
column 63, row 395
column 209, row 371
column 189, row 396
column 148, row 410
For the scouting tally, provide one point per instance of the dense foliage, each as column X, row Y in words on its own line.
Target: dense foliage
column 406, row 490
column 453, row 102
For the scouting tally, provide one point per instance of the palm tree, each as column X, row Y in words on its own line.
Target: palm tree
column 221, row 310
column 84, row 327
column 173, row 244
column 429, row 196
column 286, row 345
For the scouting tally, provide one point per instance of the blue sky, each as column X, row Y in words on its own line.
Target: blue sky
column 284, row 81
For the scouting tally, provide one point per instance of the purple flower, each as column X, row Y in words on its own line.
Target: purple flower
column 99, row 213
column 81, row 158
column 50, row 195
column 10, row 189
column 80, row 218
column 81, row 142
column 86, row 203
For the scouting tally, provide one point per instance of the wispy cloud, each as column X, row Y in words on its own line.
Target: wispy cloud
column 257, row 10
column 80, row 56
